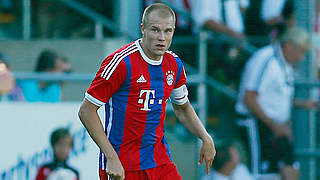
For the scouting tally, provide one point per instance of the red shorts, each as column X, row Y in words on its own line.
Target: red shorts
column 164, row 172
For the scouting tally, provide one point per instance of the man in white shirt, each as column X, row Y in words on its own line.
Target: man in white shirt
column 266, row 93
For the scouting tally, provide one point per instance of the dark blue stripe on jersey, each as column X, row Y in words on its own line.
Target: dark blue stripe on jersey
column 119, row 105
column 264, row 67
column 107, row 117
column 153, row 118
column 102, row 162
column 180, row 68
column 100, row 159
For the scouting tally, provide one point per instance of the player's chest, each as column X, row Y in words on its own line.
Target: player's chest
column 159, row 80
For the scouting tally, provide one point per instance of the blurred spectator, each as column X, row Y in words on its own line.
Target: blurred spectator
column 220, row 16
column 266, row 93
column 183, row 22
column 48, row 62
column 224, row 18
column 268, row 18
column 62, row 143
column 227, row 165
column 6, row 78
column 278, row 15
column 13, row 92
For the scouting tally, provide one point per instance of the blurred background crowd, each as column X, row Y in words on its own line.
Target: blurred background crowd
column 51, row 48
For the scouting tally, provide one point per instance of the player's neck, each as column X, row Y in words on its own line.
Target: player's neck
column 148, row 53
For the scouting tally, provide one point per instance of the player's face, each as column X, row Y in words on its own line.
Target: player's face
column 157, row 35
column 62, row 148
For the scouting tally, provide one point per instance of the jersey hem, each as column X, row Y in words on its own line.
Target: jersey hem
column 139, row 169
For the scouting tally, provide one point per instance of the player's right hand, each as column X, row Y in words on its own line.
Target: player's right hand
column 115, row 170
column 207, row 153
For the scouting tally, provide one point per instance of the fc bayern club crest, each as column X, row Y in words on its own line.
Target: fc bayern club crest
column 170, row 78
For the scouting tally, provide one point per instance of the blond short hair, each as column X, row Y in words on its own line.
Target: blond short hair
column 164, row 11
column 297, row 36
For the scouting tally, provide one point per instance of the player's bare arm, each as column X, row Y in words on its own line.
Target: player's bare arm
column 188, row 117
column 90, row 119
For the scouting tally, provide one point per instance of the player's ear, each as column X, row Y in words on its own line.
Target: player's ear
column 142, row 29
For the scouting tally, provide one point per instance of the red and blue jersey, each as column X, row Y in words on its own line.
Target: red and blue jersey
column 135, row 90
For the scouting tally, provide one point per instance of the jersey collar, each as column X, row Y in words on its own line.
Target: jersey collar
column 145, row 57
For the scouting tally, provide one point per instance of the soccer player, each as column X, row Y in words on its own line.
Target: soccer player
column 134, row 83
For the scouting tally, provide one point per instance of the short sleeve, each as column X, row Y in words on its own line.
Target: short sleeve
column 181, row 78
column 108, row 80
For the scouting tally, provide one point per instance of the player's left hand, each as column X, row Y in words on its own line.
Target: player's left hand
column 207, row 153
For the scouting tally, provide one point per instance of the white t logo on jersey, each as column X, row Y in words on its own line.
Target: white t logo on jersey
column 147, row 100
